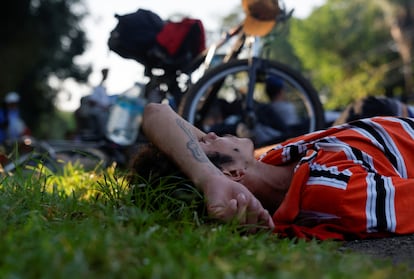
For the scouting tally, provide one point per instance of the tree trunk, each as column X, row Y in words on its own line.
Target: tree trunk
column 402, row 30
column 400, row 19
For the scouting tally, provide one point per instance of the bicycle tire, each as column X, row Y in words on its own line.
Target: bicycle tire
column 235, row 74
column 89, row 158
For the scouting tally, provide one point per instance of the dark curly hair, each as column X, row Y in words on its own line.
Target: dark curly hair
column 151, row 169
column 151, row 163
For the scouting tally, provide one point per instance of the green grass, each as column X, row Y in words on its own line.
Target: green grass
column 84, row 225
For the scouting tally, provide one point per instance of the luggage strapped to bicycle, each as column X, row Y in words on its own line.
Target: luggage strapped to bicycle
column 154, row 43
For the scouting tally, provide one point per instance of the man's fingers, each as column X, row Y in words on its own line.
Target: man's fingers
column 242, row 205
column 266, row 219
column 224, row 212
column 250, row 212
column 244, row 209
column 253, row 213
column 232, row 208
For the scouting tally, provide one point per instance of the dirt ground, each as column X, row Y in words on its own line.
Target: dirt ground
column 399, row 249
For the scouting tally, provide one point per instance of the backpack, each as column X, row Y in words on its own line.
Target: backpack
column 146, row 38
column 182, row 40
column 135, row 35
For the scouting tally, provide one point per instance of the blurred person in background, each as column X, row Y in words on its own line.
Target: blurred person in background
column 277, row 117
column 12, row 125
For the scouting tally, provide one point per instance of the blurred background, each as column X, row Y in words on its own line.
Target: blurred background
column 52, row 51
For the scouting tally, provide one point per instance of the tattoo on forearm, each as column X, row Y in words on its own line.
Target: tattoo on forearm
column 192, row 145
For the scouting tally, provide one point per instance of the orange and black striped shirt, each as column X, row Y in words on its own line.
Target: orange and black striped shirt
column 354, row 180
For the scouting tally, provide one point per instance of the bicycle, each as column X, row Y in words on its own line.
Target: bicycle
column 26, row 154
column 236, row 82
column 241, row 80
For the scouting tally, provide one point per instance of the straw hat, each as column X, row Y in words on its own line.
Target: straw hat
column 260, row 16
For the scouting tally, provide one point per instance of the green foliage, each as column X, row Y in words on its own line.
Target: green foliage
column 55, row 125
column 277, row 46
column 345, row 45
column 85, row 225
column 42, row 38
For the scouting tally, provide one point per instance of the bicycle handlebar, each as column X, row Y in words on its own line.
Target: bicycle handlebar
column 283, row 15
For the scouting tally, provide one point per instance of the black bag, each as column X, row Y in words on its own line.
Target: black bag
column 135, row 35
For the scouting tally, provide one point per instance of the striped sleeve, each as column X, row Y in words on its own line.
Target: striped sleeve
column 362, row 173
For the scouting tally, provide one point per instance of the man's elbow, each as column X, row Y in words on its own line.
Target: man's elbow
column 151, row 112
column 150, row 109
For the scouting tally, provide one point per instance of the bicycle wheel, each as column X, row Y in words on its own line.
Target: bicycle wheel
column 217, row 102
column 88, row 158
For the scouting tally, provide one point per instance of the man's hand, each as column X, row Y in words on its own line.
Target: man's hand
column 228, row 200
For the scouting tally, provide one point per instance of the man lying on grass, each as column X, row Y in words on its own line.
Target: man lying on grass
column 347, row 182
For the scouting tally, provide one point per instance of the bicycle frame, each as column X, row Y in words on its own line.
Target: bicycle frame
column 253, row 45
column 165, row 80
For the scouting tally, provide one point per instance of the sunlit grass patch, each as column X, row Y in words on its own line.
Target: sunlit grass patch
column 93, row 224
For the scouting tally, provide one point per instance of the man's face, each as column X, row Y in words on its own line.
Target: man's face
column 240, row 149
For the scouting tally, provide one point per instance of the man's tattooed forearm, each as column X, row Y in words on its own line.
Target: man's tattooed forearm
column 192, row 145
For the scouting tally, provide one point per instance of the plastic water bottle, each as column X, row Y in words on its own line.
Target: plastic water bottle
column 125, row 116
